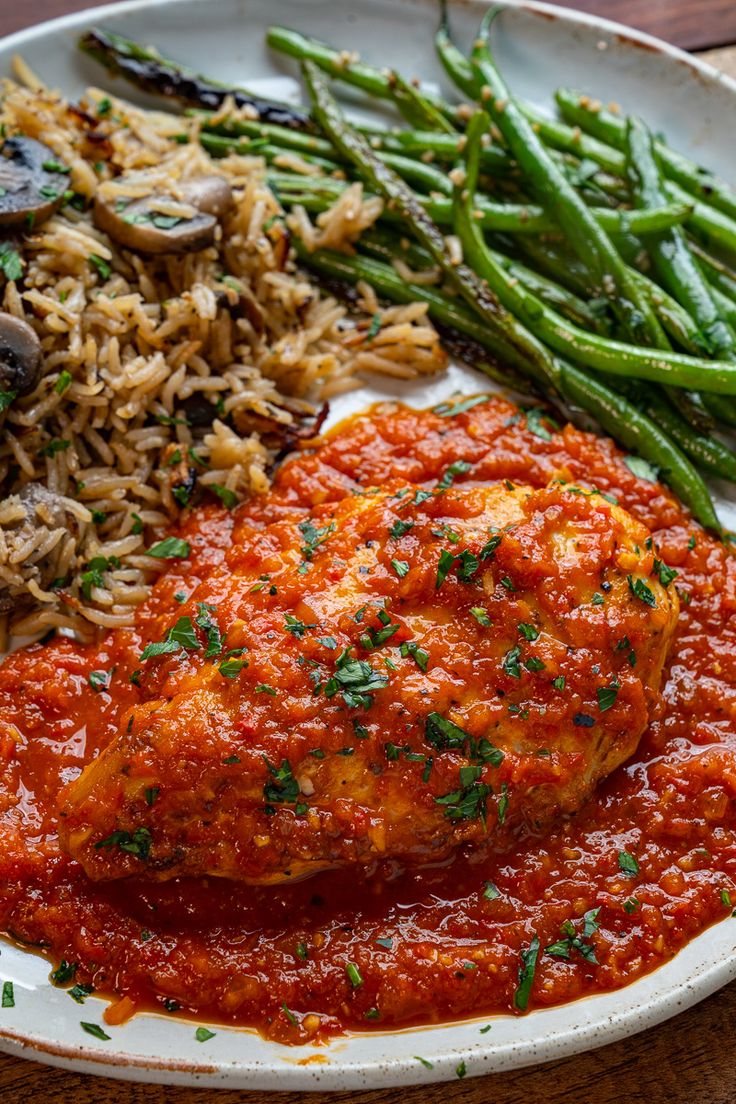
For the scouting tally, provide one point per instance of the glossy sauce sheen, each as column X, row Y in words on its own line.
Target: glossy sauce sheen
column 654, row 850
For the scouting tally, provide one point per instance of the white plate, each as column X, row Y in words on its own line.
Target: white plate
column 539, row 47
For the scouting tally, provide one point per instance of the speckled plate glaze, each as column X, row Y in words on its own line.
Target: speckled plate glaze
column 539, row 47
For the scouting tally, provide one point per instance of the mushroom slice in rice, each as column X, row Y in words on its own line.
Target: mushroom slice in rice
column 162, row 222
column 20, row 355
column 32, row 182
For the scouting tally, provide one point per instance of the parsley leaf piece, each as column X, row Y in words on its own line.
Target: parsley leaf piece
column 171, row 548
column 101, row 265
column 8, row 997
column 481, row 616
column 354, row 975
column 527, row 969
column 137, row 843
column 641, row 591
column 459, row 467
column 607, row 696
column 96, row 1031
column 666, row 574
column 400, row 529
column 445, row 565
column 420, row 657
column 203, row 1034
column 491, row 892
column 511, row 662
column 401, row 567
column 627, row 864
column 228, row 498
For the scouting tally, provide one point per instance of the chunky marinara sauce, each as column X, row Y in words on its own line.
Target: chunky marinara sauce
column 591, row 905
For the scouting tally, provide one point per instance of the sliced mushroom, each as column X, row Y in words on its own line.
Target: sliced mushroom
column 32, row 187
column 166, row 223
column 211, row 194
column 20, row 355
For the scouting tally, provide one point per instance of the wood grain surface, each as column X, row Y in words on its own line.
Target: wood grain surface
column 690, row 1059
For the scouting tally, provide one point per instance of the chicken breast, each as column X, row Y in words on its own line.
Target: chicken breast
column 389, row 677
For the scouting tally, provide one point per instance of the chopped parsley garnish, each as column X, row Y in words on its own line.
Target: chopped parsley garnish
column 354, row 975
column 65, row 972
column 356, row 680
column 327, row 642
column 420, row 657
column 526, row 974
column 296, row 627
column 448, row 410
column 99, row 680
column 313, row 536
column 529, row 632
column 203, row 1034
column 459, row 467
column 597, row 599
column 691, row 543
column 54, row 446
column 375, row 326
column 625, row 644
column 302, row 952
column 641, row 591
column 503, row 803
column 508, row 583
column 559, row 682
column 386, row 942
column 96, row 1031
column 445, row 565
column 64, row 381
column 228, row 498
column 80, row 992
column 400, row 529
column 627, row 864
column 231, row 668
column 92, row 577
column 401, row 567
column 171, row 548
column 469, row 801
column 425, row 1061
column 511, row 662
column 282, row 788
column 631, row 904
column 571, row 941
column 443, row 733
column 137, row 526
column 180, row 635
column 481, row 616
column 8, row 997
column 607, row 696
column 137, row 843
column 461, row 1070
column 6, row 398
column 264, row 688
column 101, row 265
column 666, row 574
column 491, row 892
column 373, row 638
column 10, row 262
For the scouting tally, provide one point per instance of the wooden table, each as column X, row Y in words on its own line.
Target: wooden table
column 690, row 1058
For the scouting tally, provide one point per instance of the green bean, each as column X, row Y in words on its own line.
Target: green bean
column 622, row 420
column 708, row 452
column 219, row 146
column 675, row 320
column 617, row 416
column 581, row 111
column 300, row 140
column 719, row 275
column 709, row 224
column 416, row 107
column 674, row 264
column 399, row 197
column 604, row 354
column 383, row 244
column 552, row 189
column 508, row 217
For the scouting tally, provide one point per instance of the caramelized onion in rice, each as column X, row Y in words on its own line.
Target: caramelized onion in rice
column 167, row 380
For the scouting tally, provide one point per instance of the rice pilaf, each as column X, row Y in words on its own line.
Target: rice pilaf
column 166, row 379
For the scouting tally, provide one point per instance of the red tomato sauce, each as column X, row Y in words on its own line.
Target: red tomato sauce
column 429, row 944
